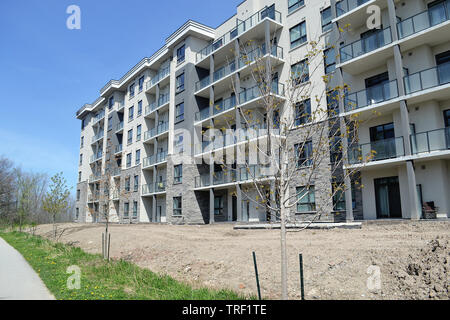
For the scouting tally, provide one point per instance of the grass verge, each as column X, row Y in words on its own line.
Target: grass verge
column 116, row 280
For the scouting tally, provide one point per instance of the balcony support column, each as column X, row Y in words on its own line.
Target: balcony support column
column 392, row 19
column 239, row 202
column 157, row 95
column 153, row 208
column 211, row 206
column 211, row 88
column 412, row 190
column 268, row 50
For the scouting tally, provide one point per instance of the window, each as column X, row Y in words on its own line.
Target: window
column 131, row 113
column 326, row 19
column 111, row 102
column 81, row 159
column 135, row 204
column 127, row 184
column 300, row 72
column 335, row 146
column 78, row 194
column 294, row 4
column 180, row 83
column 306, row 199
column 329, row 60
column 179, row 112
column 136, row 183
column 178, row 143
column 338, row 195
column 128, row 160
column 333, row 103
column 180, row 54
column 130, row 136
column 141, row 83
column 218, row 205
column 302, row 112
column 77, row 213
column 109, row 123
column 177, row 174
column 131, row 90
column 83, row 123
column 79, row 176
column 177, row 206
column 82, row 142
column 298, row 34
column 303, row 154
column 126, row 209
column 138, row 157
column 138, row 132
column 139, row 111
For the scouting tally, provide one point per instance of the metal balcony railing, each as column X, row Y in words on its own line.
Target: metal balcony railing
column 98, row 136
column 119, row 126
column 370, row 96
column 255, row 92
column 424, row 20
column 160, row 129
column 98, row 117
column 368, row 44
column 160, row 157
column 233, row 175
column 426, row 79
column 96, row 157
column 241, row 27
column 344, row 6
column 118, row 148
column 377, row 150
column 161, row 75
column 434, row 140
column 154, row 188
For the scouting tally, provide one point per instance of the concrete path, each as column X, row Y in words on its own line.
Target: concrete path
column 18, row 280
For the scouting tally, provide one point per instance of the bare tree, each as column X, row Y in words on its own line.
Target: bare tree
column 7, row 188
column 292, row 140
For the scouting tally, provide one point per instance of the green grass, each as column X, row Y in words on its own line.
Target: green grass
column 115, row 280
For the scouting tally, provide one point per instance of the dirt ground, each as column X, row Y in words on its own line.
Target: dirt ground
column 413, row 257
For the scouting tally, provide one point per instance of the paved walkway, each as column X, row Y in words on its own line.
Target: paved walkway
column 18, row 281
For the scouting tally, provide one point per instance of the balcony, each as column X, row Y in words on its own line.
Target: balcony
column 429, row 84
column 160, row 129
column 94, row 196
column 100, row 116
column 163, row 100
column 149, row 189
column 98, row 136
column 371, row 96
column 96, row 157
column 239, row 30
column 95, row 177
column 118, row 149
column 255, row 92
column 239, row 175
column 243, row 62
column 161, row 75
column 119, row 127
column 376, row 151
column 346, row 6
column 424, row 20
column 431, row 141
column 152, row 160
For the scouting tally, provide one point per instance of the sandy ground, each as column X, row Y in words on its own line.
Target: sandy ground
column 413, row 257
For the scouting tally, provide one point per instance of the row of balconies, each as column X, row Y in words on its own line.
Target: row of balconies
column 153, row 188
column 424, row 142
column 155, row 159
column 241, row 28
column 239, row 175
column 98, row 136
column 97, row 156
column 163, row 100
column 156, row 131
column 161, row 75
column 416, row 82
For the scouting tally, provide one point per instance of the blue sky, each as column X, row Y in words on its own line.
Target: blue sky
column 49, row 71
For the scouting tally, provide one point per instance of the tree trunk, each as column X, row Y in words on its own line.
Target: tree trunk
column 283, row 218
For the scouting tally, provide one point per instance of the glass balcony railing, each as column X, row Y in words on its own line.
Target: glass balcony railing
column 154, row 188
column 224, row 71
column 160, row 129
column 160, row 157
column 370, row 96
column 118, row 148
column 255, row 92
column 358, row 48
column 429, row 78
column 98, row 117
column 202, row 114
column 224, row 105
column 435, row 140
column 119, row 126
column 95, row 177
column 98, row 136
column 344, row 6
column 241, row 27
column 163, row 99
column 161, row 75
column 436, row 15
column 96, row 157
column 377, row 150
column 202, row 83
column 233, row 175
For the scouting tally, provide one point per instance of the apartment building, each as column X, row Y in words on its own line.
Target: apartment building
column 146, row 128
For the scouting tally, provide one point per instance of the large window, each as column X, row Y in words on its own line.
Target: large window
column 136, row 183
column 218, row 205
column 329, row 60
column 180, row 83
column 111, row 102
column 78, row 194
column 130, row 113
column 298, row 34
column 139, row 110
column 333, row 103
column 302, row 112
column 294, row 4
column 177, row 209
column 129, row 160
column 138, row 156
column 82, row 142
column 303, row 154
column 306, row 199
column 81, row 159
column 326, row 19
column 179, row 112
column 300, row 72
column 178, row 174
column 338, row 195
column 131, row 90
column 135, row 207
column 335, row 146
column 180, row 54
column 130, row 136
column 127, row 183
column 126, row 209
column 178, row 143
